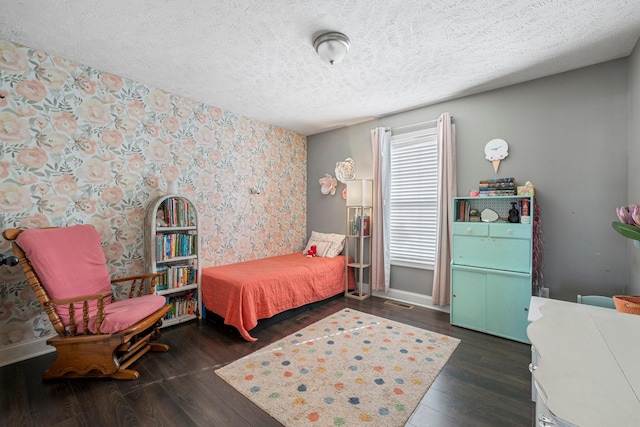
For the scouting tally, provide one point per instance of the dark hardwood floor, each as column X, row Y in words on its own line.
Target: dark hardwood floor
column 485, row 382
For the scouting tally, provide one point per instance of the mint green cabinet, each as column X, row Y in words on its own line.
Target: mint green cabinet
column 491, row 270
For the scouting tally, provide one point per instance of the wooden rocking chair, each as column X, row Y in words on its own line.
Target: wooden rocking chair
column 97, row 335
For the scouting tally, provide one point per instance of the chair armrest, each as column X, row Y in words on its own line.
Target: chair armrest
column 81, row 298
column 84, row 299
column 138, row 287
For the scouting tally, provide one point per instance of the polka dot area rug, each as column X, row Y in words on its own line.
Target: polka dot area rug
column 350, row 368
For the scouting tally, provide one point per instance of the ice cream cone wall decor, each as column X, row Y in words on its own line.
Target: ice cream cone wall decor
column 496, row 150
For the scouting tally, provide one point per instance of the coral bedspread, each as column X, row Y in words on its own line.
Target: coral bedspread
column 245, row 292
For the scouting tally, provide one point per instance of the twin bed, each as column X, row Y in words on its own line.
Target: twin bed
column 246, row 292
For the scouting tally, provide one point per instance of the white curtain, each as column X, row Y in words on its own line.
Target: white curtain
column 381, row 266
column 447, row 190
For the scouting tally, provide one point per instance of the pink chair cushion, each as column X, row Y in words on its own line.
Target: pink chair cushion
column 69, row 263
column 122, row 314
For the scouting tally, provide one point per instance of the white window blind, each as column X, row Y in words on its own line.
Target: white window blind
column 413, row 196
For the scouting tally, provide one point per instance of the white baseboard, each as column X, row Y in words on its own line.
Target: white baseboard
column 411, row 298
column 25, row 350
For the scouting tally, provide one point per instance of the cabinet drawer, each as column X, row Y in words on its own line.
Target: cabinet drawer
column 506, row 230
column 471, row 229
column 493, row 253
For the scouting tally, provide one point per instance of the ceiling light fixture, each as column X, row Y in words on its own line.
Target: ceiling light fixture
column 332, row 47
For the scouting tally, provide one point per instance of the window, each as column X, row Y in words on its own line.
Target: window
column 413, row 197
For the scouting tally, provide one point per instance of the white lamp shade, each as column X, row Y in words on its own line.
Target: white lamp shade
column 360, row 193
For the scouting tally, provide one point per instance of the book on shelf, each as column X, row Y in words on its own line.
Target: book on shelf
column 183, row 305
column 464, row 207
column 177, row 213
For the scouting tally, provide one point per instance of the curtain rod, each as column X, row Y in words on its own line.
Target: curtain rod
column 415, row 124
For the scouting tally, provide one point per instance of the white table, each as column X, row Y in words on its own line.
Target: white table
column 587, row 364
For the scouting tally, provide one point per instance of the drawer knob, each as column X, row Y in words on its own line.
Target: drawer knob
column 469, row 229
column 532, row 367
column 510, row 231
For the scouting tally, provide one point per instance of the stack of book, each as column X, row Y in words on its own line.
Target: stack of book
column 497, row 187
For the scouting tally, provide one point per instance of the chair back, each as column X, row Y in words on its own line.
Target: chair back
column 597, row 300
column 68, row 262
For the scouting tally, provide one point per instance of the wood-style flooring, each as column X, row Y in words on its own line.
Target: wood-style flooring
column 486, row 381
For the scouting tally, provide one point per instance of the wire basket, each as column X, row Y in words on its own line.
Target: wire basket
column 627, row 304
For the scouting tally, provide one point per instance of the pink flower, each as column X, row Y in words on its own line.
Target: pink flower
column 158, row 152
column 95, row 170
column 34, row 157
column 136, row 162
column 127, row 180
column 136, row 216
column 86, row 145
column 95, row 112
column 171, row 124
column 36, row 220
column 52, row 142
column 159, row 101
column 126, row 125
column 216, row 113
column 12, row 58
column 112, row 82
column 65, row 122
column 12, row 127
column 112, row 138
column 136, row 109
column 328, row 184
column 152, row 182
column 54, row 206
column 243, row 126
column 128, row 235
column 27, row 179
column 4, row 98
column 52, row 77
column 189, row 146
column 13, row 198
column 86, row 85
column 33, row 90
column 182, row 113
column 206, row 136
column 25, row 110
column 5, row 167
column 113, row 251
column 87, row 206
column 182, row 161
column 152, row 129
column 171, row 173
column 625, row 214
column 65, row 184
column 112, row 195
column 68, row 65
column 41, row 122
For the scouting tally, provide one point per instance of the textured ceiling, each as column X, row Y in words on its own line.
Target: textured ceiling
column 256, row 58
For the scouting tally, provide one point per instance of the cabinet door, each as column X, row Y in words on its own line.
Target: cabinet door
column 508, row 298
column 468, row 299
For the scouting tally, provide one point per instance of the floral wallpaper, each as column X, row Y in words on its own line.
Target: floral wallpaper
column 78, row 145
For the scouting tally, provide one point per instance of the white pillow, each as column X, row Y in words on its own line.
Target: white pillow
column 321, row 247
column 337, row 242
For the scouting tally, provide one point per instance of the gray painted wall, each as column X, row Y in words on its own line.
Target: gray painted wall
column 634, row 160
column 567, row 133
